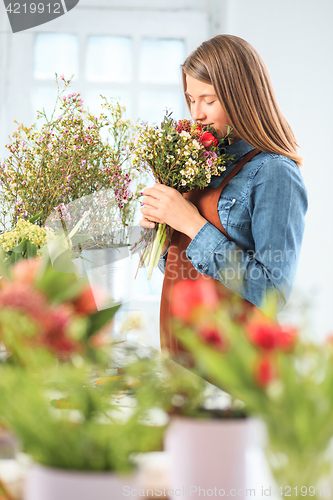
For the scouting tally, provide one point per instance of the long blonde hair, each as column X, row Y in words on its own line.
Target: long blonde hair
column 242, row 84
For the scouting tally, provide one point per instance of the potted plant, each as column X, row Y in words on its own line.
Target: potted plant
column 283, row 379
column 206, row 435
column 76, row 431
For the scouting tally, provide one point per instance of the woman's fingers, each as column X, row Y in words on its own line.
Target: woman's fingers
column 145, row 223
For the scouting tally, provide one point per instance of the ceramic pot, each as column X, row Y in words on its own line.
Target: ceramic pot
column 43, row 483
column 207, row 457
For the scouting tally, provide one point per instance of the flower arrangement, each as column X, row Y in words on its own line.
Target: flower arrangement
column 66, row 158
column 284, row 380
column 179, row 154
column 46, row 315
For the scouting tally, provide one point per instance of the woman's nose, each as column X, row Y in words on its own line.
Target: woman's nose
column 197, row 112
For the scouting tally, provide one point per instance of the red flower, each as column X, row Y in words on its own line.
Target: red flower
column 25, row 299
column 183, row 125
column 213, row 337
column 263, row 335
column 264, row 372
column 85, row 303
column 56, row 337
column 187, row 295
column 269, row 335
column 286, row 338
column 208, row 139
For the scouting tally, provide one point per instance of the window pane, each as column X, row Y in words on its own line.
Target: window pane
column 55, row 53
column 152, row 105
column 43, row 97
column 160, row 60
column 109, row 59
column 93, row 100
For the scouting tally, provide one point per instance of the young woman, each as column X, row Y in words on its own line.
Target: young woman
column 245, row 229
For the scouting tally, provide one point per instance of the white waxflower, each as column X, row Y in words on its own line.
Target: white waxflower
column 185, row 134
column 196, row 144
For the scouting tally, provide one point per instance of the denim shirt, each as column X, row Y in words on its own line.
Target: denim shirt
column 262, row 209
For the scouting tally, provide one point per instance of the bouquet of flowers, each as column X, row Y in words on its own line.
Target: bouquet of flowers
column 71, row 154
column 179, row 154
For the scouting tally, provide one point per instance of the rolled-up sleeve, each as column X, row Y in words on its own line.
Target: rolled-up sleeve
column 277, row 203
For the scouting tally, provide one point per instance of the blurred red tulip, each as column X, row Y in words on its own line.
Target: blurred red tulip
column 270, row 335
column 213, row 337
column 85, row 303
column 187, row 295
column 264, row 372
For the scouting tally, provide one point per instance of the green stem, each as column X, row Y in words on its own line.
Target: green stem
column 157, row 247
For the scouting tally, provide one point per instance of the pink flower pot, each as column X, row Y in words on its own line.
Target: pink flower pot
column 43, row 483
column 207, row 457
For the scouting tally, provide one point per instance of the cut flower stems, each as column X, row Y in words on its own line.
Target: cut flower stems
column 179, row 154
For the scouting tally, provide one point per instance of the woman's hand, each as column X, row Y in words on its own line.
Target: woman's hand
column 164, row 204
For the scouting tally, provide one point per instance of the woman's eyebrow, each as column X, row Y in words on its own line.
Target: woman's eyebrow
column 202, row 95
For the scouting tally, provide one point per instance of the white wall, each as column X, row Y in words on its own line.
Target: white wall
column 295, row 38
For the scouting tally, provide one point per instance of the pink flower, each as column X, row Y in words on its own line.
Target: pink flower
column 26, row 270
column 62, row 77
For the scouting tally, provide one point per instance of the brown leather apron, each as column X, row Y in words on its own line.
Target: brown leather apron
column 178, row 267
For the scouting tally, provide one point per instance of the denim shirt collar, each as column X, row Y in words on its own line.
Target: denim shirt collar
column 237, row 150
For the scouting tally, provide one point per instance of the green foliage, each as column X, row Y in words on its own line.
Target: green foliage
column 65, row 421
column 24, row 241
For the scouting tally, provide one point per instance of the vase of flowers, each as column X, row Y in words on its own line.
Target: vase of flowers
column 281, row 378
column 207, row 433
column 80, row 434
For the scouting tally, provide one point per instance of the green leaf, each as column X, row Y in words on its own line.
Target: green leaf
column 35, row 217
column 21, row 247
column 31, row 250
column 101, row 318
